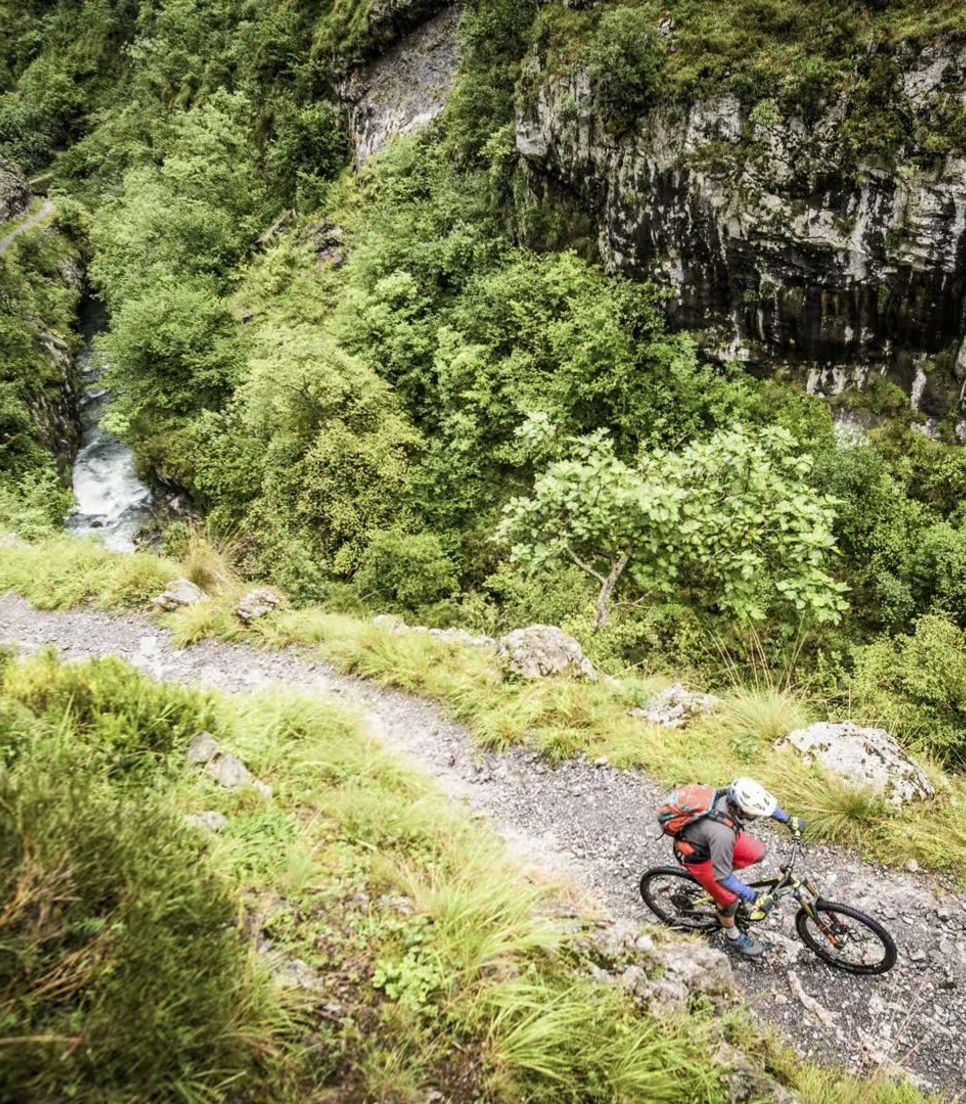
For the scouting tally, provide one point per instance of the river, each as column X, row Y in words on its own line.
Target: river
column 112, row 502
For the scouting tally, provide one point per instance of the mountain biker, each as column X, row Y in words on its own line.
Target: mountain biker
column 714, row 846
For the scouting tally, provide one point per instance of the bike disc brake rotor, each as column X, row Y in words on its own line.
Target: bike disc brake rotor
column 848, row 940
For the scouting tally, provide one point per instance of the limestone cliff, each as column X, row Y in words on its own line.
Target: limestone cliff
column 406, row 87
column 774, row 248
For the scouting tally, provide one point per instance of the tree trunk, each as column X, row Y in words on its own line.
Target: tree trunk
column 603, row 600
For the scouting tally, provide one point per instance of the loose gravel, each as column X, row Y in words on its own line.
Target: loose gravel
column 594, row 827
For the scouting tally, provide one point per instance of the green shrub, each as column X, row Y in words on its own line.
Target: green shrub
column 35, row 505
column 625, row 59
column 916, row 686
column 406, row 569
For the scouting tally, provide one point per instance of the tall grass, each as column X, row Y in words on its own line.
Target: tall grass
column 560, row 717
column 436, row 963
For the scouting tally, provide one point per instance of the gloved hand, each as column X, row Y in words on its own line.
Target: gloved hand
column 797, row 826
column 761, row 906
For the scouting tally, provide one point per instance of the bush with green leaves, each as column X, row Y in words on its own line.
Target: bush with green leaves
column 625, row 59
column 405, row 569
column 729, row 524
column 916, row 686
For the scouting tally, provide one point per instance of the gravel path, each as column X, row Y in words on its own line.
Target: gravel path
column 46, row 209
column 594, row 825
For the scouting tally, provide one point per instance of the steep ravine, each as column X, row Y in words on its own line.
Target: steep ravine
column 594, row 825
column 111, row 500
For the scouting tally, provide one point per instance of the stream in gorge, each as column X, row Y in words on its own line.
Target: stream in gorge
column 111, row 501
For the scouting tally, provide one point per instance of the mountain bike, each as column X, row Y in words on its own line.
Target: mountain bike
column 840, row 935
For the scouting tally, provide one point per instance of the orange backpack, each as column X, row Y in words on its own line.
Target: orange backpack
column 685, row 806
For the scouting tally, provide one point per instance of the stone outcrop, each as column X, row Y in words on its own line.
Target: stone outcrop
column 866, row 758
column 178, row 593
column 675, row 706
column 14, row 192
column 407, row 87
column 772, row 243
column 541, row 651
column 257, row 604
column 226, row 769
column 662, row 972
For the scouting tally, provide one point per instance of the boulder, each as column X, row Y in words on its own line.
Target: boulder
column 14, row 192
column 256, row 604
column 543, row 650
column 228, row 771
column 397, row 626
column 865, row 758
column 178, row 593
column 203, row 748
column 675, row 707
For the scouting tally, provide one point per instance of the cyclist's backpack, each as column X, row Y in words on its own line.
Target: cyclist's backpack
column 684, row 807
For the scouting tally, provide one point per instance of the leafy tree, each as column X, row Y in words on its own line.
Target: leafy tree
column 407, row 569
column 730, row 522
column 172, row 351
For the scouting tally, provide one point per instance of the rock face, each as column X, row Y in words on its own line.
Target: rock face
column 770, row 247
column 675, row 706
column 867, row 758
column 178, row 593
column 407, row 87
column 14, row 192
column 543, row 650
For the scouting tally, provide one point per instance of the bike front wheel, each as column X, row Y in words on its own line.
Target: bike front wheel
column 677, row 899
column 846, row 938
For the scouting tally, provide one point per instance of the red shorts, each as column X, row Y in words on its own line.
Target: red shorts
column 748, row 851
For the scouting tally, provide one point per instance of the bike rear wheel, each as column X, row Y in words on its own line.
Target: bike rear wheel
column 846, row 938
column 677, row 900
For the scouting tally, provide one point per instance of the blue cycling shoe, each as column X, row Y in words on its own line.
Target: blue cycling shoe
column 746, row 945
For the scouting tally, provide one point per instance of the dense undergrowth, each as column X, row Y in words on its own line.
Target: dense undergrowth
column 38, row 304
column 141, row 957
column 917, row 688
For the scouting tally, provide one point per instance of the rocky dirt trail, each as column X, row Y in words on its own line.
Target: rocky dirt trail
column 594, row 825
column 44, row 211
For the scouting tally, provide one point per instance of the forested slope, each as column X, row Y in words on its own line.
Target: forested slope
column 358, row 392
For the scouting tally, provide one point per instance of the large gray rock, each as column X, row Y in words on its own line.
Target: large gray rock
column 397, row 626
column 257, row 604
column 866, row 758
column 407, row 87
column 14, row 192
column 178, row 593
column 211, row 822
column 229, row 771
column 675, row 706
column 543, row 650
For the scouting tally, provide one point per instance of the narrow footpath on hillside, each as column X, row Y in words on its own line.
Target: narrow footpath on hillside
column 594, row 826
column 45, row 210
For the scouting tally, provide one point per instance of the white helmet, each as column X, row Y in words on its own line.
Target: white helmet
column 751, row 797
